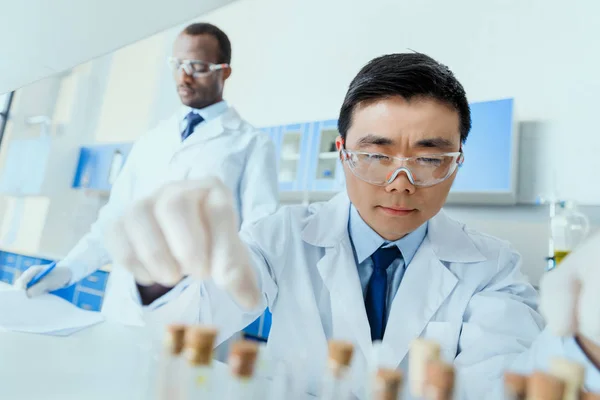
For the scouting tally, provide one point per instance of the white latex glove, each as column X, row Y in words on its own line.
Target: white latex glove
column 58, row 278
column 570, row 294
column 187, row 228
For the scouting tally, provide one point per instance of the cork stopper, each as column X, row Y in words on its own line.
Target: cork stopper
column 422, row 351
column 515, row 385
column 174, row 338
column 572, row 373
column 388, row 383
column 590, row 396
column 439, row 380
column 542, row 386
column 340, row 352
column 199, row 343
column 242, row 358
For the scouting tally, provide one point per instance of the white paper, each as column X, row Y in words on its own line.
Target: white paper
column 47, row 314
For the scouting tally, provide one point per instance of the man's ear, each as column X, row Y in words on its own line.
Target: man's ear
column 339, row 144
column 226, row 73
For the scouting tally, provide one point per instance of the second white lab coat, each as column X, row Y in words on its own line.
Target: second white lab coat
column 463, row 289
column 226, row 147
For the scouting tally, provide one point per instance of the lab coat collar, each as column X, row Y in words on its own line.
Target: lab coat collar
column 450, row 241
column 447, row 237
column 211, row 112
column 366, row 241
column 228, row 121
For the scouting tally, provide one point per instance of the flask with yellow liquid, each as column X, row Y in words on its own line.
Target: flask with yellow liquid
column 568, row 227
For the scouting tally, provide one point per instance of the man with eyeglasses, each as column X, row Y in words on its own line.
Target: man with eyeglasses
column 380, row 261
column 207, row 138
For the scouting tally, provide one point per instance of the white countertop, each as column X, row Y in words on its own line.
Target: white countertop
column 108, row 361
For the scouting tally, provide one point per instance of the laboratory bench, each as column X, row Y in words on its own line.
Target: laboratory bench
column 105, row 361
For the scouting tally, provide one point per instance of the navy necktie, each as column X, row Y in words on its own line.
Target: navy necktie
column 193, row 119
column 375, row 300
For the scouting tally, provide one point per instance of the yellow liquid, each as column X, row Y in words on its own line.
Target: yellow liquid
column 559, row 255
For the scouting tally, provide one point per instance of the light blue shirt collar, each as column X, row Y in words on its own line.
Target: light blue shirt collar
column 365, row 240
column 211, row 112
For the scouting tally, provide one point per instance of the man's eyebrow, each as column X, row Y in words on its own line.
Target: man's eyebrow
column 438, row 142
column 371, row 139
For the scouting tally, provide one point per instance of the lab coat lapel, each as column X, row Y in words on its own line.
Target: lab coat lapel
column 427, row 282
column 425, row 286
column 349, row 318
column 329, row 229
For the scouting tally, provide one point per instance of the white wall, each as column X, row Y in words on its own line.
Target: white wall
column 293, row 61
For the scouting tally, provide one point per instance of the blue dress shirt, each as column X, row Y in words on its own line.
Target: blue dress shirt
column 364, row 243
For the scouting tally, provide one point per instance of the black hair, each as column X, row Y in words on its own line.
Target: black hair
column 203, row 28
column 409, row 75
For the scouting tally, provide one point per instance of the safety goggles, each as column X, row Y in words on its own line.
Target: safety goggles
column 422, row 171
column 195, row 68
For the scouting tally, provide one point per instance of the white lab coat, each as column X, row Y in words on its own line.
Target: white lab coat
column 463, row 289
column 227, row 147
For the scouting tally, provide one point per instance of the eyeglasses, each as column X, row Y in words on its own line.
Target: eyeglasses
column 422, row 171
column 195, row 68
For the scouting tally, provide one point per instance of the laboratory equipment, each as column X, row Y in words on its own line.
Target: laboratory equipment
column 571, row 373
column 242, row 360
column 439, row 381
column 568, row 228
column 422, row 351
column 336, row 383
column 515, row 386
column 387, row 384
column 199, row 343
column 542, row 386
column 169, row 366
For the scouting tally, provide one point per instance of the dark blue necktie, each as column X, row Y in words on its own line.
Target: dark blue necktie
column 375, row 300
column 193, row 119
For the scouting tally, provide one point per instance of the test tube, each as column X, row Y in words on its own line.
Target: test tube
column 336, row 383
column 515, row 386
column 242, row 361
column 439, row 381
column 422, row 351
column 571, row 373
column 169, row 364
column 387, row 384
column 199, row 343
column 542, row 386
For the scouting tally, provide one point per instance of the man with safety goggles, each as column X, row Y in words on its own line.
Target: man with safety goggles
column 380, row 261
column 205, row 137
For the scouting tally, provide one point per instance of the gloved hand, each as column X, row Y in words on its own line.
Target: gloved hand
column 187, row 228
column 570, row 294
column 58, row 278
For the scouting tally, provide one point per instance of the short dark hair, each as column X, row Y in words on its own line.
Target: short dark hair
column 203, row 28
column 409, row 75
